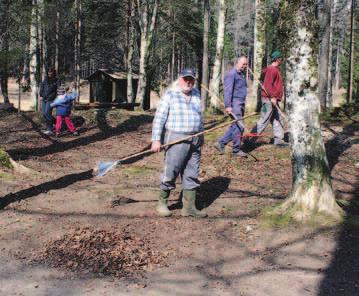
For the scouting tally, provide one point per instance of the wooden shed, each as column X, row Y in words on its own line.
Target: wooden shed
column 110, row 87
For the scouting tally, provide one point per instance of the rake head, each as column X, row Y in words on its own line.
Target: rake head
column 104, row 167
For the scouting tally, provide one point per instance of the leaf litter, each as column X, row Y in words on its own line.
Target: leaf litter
column 101, row 252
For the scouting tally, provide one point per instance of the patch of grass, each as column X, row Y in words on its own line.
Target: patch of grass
column 277, row 217
column 213, row 136
column 5, row 159
column 132, row 171
column 272, row 217
column 6, row 176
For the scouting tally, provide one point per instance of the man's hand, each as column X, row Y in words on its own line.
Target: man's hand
column 274, row 101
column 156, row 146
column 228, row 110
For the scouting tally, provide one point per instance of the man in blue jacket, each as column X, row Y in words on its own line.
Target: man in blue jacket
column 235, row 93
column 48, row 93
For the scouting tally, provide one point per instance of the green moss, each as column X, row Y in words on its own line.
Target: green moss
column 274, row 217
column 5, row 159
column 6, row 176
column 278, row 217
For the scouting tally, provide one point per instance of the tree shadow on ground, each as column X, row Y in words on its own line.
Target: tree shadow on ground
column 342, row 276
column 341, row 142
column 106, row 131
column 59, row 183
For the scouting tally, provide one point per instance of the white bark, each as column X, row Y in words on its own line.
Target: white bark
column 351, row 54
column 78, row 9
column 205, row 74
column 57, row 27
column 216, row 74
column 312, row 190
column 147, row 26
column 324, row 21
column 131, row 43
column 33, row 48
column 259, row 44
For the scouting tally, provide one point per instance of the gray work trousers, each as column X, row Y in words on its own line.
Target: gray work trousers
column 181, row 159
column 270, row 114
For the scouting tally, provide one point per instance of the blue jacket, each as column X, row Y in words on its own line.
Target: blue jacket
column 235, row 88
column 63, row 103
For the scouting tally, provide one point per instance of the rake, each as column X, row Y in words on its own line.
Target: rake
column 104, row 167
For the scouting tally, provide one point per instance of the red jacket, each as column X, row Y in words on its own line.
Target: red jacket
column 273, row 83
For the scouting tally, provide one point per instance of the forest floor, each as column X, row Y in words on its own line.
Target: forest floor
column 235, row 251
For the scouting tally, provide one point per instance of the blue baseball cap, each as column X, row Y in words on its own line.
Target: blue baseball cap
column 188, row 72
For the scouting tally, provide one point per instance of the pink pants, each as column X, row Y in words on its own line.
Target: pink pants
column 68, row 122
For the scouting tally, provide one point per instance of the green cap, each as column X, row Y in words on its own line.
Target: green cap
column 276, row 55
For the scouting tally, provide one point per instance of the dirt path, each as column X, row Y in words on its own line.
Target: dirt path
column 230, row 253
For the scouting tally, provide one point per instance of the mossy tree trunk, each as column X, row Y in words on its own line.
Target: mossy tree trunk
column 312, row 191
column 216, row 73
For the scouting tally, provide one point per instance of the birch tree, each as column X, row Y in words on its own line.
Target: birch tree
column 312, row 192
column 4, row 49
column 351, row 54
column 325, row 40
column 131, row 44
column 205, row 74
column 33, row 50
column 77, row 45
column 147, row 22
column 216, row 73
column 259, row 44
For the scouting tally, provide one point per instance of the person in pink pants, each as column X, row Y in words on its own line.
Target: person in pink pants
column 63, row 104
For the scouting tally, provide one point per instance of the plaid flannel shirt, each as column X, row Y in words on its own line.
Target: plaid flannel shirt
column 177, row 114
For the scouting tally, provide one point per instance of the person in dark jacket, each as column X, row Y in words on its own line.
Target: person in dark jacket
column 235, row 93
column 48, row 93
column 63, row 104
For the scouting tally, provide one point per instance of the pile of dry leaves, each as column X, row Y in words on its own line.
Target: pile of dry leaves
column 103, row 252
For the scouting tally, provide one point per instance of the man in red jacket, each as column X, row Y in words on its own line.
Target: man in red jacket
column 272, row 93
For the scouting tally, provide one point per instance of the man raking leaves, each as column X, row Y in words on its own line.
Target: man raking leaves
column 272, row 93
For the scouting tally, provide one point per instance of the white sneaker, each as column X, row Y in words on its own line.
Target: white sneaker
column 48, row 133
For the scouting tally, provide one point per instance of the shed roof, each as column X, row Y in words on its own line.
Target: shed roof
column 111, row 74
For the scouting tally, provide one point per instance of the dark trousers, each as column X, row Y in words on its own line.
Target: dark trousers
column 47, row 114
column 235, row 131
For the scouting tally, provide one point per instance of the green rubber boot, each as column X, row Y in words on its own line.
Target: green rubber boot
column 162, row 208
column 189, row 206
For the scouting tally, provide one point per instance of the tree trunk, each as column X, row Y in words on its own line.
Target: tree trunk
column 147, row 26
column 33, row 50
column 312, row 191
column 4, row 50
column 42, row 39
column 131, row 44
column 351, row 55
column 216, row 73
column 173, row 57
column 325, row 39
column 78, row 9
column 259, row 56
column 337, row 66
column 205, row 72
column 57, row 28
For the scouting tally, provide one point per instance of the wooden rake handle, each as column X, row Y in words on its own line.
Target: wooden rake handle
column 186, row 138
